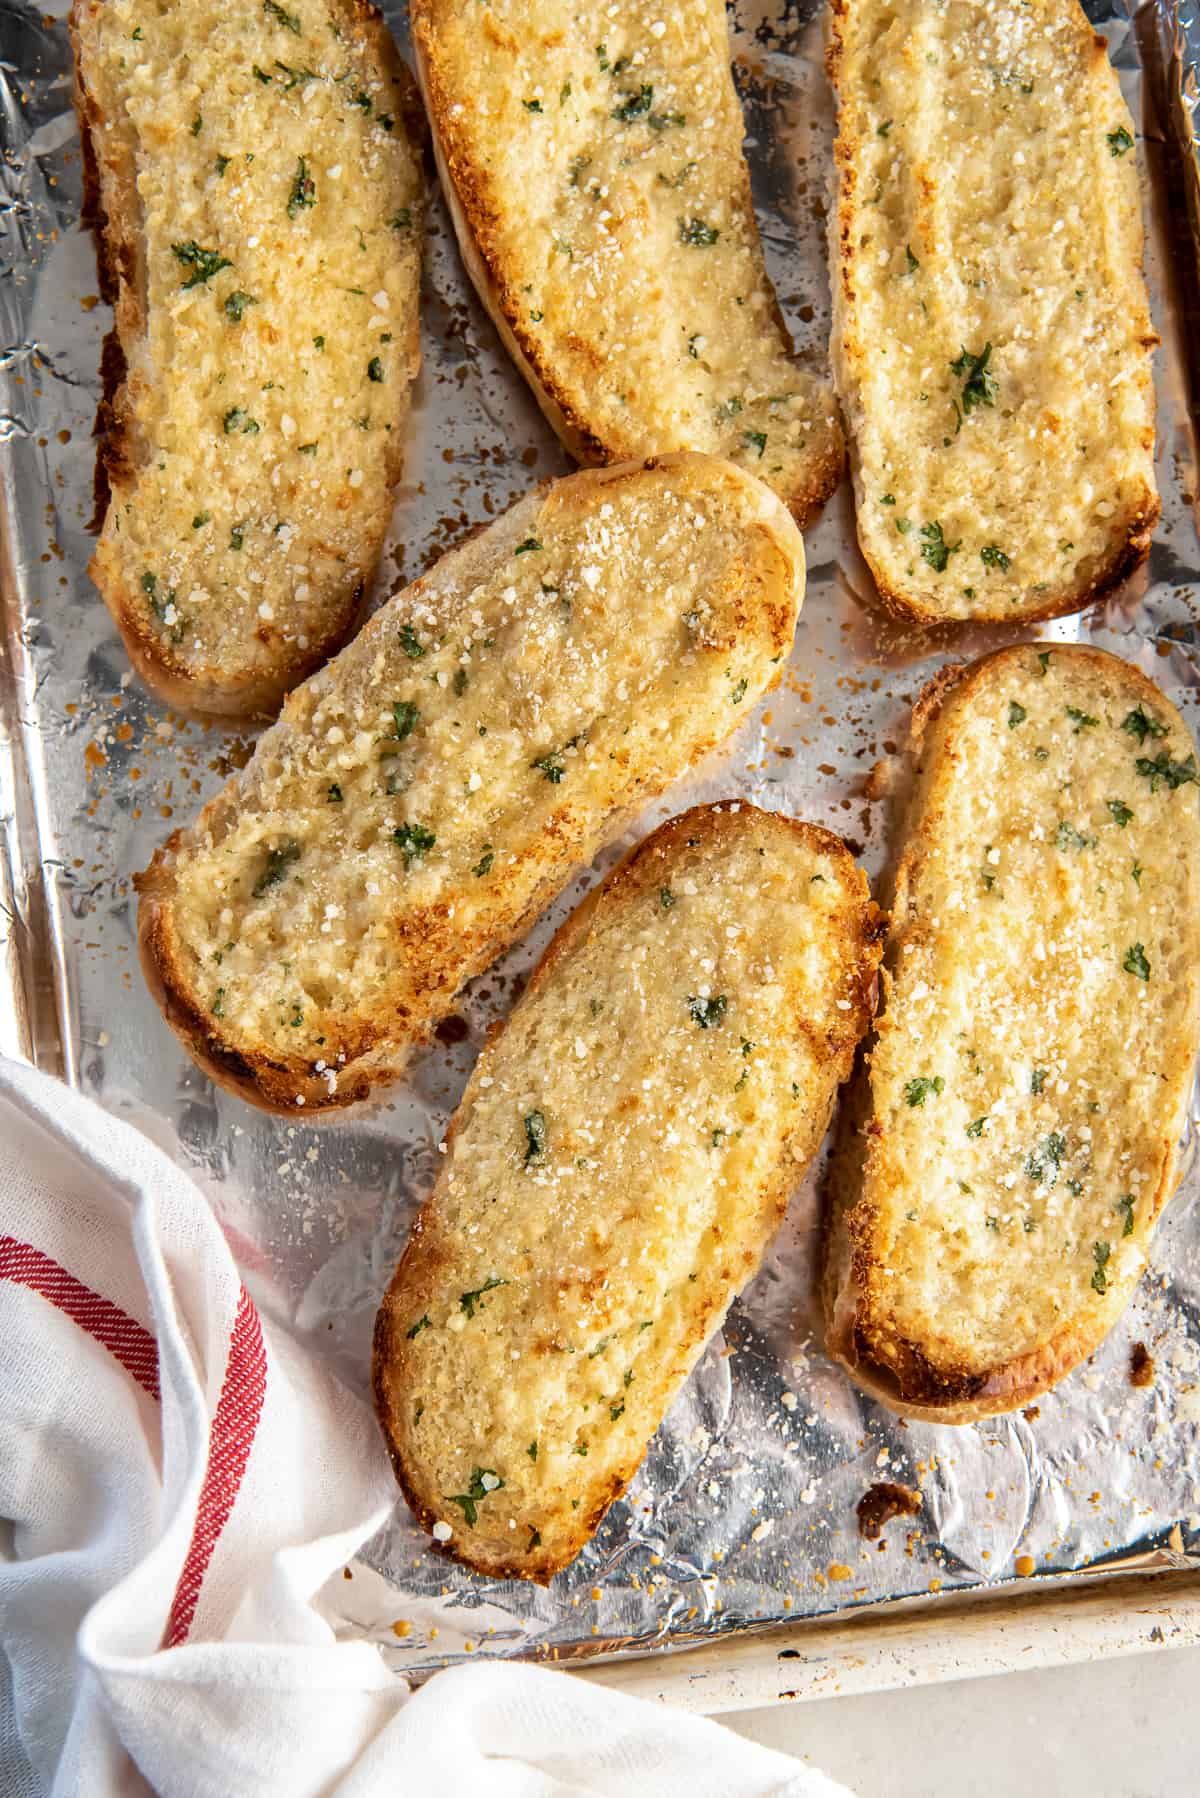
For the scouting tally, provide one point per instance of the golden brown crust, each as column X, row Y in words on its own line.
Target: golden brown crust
column 644, row 871
column 476, row 227
column 111, row 211
column 914, row 1377
column 1129, row 545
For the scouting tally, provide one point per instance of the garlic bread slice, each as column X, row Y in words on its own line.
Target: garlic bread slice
column 257, row 204
column 991, row 330
column 591, row 155
column 426, row 793
column 1029, row 1075
column 620, row 1159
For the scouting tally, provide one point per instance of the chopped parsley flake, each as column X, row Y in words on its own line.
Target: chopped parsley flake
column 979, row 387
column 912, row 265
column 934, row 548
column 1121, row 812
column 422, row 1323
column 1046, row 1159
column 1100, row 1254
column 375, row 369
column 483, row 1482
column 976, row 1129
column 739, row 692
column 1176, row 774
column 755, row 439
column 708, row 1012
column 1080, row 720
column 1125, row 1207
column 1119, row 141
column 535, row 1135
column 471, row 1301
column 288, row 20
column 551, row 765
column 528, row 547
column 666, row 898
column 402, row 220
column 1067, row 837
column 1016, row 714
column 410, row 643
column 634, row 106
column 204, row 264
column 278, row 862
column 414, row 840
column 334, row 794
column 1141, row 725
column 236, row 304
column 405, row 718
column 697, row 233
column 1037, row 1080
column 918, row 1090
column 1135, row 962
column 992, row 556
column 304, row 190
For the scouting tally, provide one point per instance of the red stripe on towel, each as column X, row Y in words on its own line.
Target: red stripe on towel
column 230, row 1440
column 126, row 1340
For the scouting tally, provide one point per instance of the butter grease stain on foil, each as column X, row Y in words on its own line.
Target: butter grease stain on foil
column 744, row 1511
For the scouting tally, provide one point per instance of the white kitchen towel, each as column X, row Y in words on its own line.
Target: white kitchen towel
column 177, row 1481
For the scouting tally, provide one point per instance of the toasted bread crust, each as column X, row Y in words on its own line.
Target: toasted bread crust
column 237, row 678
column 437, row 944
column 550, row 363
column 922, row 1375
column 813, row 1033
column 986, row 510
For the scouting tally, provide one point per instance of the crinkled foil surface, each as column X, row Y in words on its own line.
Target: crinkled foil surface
column 744, row 1511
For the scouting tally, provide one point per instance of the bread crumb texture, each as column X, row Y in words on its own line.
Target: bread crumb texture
column 622, row 1155
column 992, row 333
column 594, row 152
column 1030, row 1073
column 263, row 213
column 433, row 786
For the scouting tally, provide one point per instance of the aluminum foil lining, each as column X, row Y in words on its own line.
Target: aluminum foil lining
column 1179, row 83
column 744, row 1511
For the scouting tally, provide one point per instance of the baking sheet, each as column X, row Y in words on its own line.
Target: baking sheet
column 744, row 1512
